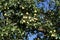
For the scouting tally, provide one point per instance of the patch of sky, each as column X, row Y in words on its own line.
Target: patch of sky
column 32, row 36
column 1, row 15
column 46, row 5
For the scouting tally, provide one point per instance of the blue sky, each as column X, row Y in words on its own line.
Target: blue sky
column 1, row 15
column 31, row 36
column 46, row 5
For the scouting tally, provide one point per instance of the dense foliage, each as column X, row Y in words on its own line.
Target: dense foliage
column 29, row 20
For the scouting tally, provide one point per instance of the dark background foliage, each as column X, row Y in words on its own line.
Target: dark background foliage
column 17, row 17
